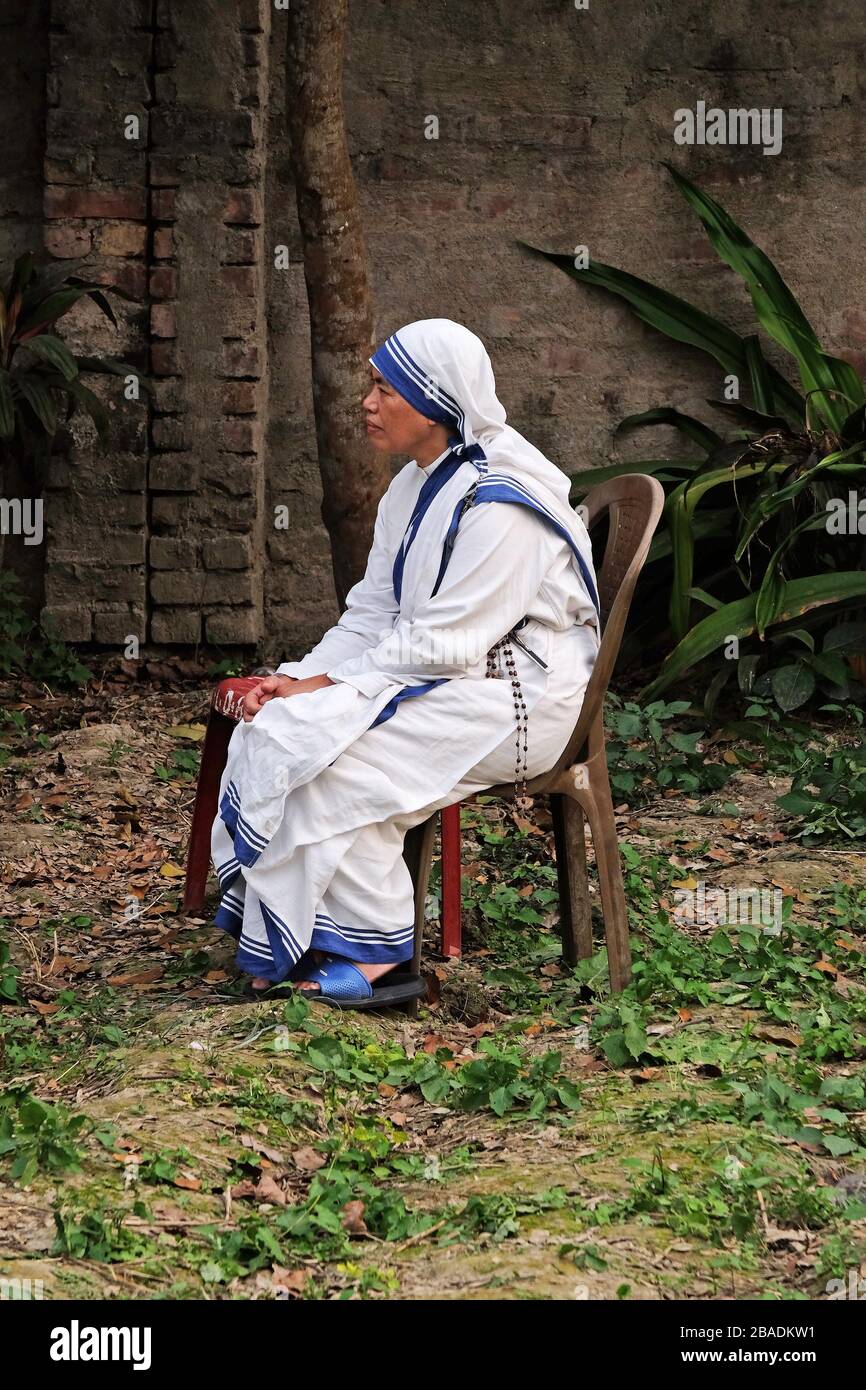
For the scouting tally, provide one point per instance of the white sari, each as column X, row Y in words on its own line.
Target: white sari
column 320, row 787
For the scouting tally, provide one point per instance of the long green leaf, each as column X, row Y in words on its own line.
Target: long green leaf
column 677, row 319
column 759, row 375
column 738, row 619
column 7, row 406
column 776, row 307
column 755, row 419
column 679, row 512
column 667, row 470
column 39, row 398
column 46, row 311
column 56, row 353
column 692, row 428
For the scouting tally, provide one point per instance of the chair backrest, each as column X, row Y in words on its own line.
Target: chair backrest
column 633, row 504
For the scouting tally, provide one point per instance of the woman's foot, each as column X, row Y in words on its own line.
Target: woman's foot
column 260, row 985
column 372, row 972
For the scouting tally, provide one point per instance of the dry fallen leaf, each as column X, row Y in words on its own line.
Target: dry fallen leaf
column 353, row 1219
column 268, row 1190
column 139, row 977
column 308, row 1160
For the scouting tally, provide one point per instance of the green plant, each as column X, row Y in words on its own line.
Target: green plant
column 770, row 538
column 8, row 976
column 38, row 1136
column 30, row 646
column 828, row 794
column 42, row 383
column 183, row 766
column 39, row 375
column 644, row 756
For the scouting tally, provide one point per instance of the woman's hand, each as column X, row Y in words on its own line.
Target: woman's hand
column 279, row 686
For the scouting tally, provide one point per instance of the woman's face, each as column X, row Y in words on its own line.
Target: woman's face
column 395, row 426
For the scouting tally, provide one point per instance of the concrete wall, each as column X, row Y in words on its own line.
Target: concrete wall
column 552, row 125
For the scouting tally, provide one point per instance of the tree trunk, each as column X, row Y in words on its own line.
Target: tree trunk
column 22, row 478
column 354, row 475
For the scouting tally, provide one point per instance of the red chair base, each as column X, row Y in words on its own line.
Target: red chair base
column 225, row 711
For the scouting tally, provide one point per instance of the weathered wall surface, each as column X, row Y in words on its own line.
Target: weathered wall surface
column 553, row 124
column 24, row 44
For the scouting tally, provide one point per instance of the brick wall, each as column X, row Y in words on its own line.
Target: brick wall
column 553, row 123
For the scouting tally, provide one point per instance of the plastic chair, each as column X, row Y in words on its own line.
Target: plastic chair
column 579, row 785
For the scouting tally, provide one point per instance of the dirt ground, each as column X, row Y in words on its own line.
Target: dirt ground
column 256, row 1150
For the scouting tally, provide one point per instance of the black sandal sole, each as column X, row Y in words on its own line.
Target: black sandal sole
column 400, row 989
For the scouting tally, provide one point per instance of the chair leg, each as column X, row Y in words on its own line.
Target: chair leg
column 213, row 760
column 597, row 804
column 574, row 909
column 418, row 853
column 452, row 932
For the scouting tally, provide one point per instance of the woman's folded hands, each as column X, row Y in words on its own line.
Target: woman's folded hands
column 281, row 686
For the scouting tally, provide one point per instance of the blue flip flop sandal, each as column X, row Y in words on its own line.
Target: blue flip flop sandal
column 342, row 985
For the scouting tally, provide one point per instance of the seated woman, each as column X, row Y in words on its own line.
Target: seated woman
column 461, row 661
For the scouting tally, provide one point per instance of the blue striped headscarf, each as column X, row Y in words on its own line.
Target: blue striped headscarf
column 443, row 370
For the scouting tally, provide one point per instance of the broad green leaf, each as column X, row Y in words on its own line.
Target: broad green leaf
column 46, row 311
column 39, row 398
column 55, row 352
column 792, row 685
column 738, row 619
column 665, row 469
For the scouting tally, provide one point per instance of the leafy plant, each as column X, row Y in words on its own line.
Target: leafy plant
column 41, row 385
column 8, row 975
column 32, row 647
column 644, row 756
column 828, row 794
column 39, row 1136
column 183, row 767
column 39, row 375
column 747, row 528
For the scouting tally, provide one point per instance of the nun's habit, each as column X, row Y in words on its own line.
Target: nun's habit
column 320, row 788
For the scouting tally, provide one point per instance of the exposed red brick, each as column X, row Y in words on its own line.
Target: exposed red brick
column 239, row 246
column 67, row 242
column 179, row 626
column 122, row 239
column 240, row 358
column 240, row 436
column 240, row 279
column 239, row 397
column 243, row 206
column 128, row 276
column 163, row 320
column 242, row 626
column 163, row 202
column 163, row 282
column 61, row 201
column 163, row 243
column 163, row 358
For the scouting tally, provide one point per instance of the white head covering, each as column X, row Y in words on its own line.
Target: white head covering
column 444, row 371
